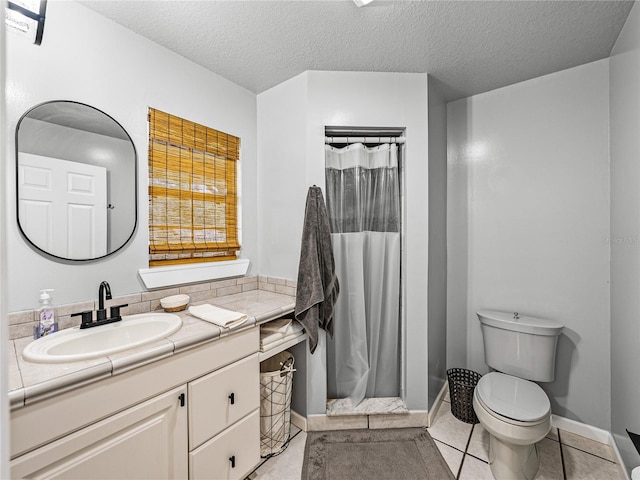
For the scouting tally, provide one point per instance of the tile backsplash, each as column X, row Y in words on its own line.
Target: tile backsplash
column 21, row 323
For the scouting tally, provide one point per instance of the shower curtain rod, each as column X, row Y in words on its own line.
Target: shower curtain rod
column 364, row 140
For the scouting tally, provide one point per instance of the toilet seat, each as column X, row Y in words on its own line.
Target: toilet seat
column 513, row 399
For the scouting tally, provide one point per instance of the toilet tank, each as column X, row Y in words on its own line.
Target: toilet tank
column 520, row 345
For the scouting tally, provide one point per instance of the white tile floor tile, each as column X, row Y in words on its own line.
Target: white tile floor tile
column 553, row 434
column 581, row 465
column 587, row 445
column 550, row 460
column 287, row 465
column 479, row 443
column 448, row 429
column 452, row 456
column 474, row 469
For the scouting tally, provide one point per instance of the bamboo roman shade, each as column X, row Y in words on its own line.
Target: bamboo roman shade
column 192, row 192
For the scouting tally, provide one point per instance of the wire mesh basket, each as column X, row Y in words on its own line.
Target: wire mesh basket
column 276, row 382
column 462, row 382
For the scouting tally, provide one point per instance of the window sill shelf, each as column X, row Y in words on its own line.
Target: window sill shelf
column 158, row 277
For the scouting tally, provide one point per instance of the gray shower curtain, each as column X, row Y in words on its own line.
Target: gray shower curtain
column 363, row 201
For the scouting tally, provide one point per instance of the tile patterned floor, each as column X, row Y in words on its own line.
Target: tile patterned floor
column 563, row 455
column 465, row 448
column 287, row 465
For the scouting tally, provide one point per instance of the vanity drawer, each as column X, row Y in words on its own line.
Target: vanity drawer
column 231, row 455
column 221, row 398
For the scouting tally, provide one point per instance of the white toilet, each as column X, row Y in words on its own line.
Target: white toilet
column 515, row 411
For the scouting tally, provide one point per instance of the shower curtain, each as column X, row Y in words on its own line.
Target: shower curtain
column 363, row 201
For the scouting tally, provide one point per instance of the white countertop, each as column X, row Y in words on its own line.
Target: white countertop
column 30, row 382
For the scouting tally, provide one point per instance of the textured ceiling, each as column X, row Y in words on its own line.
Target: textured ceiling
column 469, row 46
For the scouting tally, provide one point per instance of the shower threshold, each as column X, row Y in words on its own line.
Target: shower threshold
column 369, row 406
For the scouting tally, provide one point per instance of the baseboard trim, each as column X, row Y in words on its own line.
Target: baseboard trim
column 323, row 422
column 619, row 459
column 412, row 419
column 582, row 429
column 298, row 420
column 431, row 415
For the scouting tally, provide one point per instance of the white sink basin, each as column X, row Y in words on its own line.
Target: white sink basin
column 74, row 344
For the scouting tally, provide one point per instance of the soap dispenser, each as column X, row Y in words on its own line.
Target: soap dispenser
column 46, row 321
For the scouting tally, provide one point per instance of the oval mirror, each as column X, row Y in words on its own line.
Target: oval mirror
column 76, row 181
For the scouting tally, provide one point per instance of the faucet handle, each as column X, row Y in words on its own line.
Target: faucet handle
column 87, row 317
column 115, row 310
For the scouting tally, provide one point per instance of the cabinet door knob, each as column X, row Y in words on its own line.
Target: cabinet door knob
column 232, row 398
column 232, row 459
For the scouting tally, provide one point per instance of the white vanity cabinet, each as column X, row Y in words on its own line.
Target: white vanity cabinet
column 192, row 415
column 144, row 441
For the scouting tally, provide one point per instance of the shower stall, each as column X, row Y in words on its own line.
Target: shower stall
column 363, row 177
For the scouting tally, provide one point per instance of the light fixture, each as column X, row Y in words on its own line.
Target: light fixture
column 26, row 19
column 362, row 3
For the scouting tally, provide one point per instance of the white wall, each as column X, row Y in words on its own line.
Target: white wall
column 282, row 167
column 4, row 328
column 298, row 111
column 87, row 58
column 625, row 236
column 437, row 278
column 529, row 170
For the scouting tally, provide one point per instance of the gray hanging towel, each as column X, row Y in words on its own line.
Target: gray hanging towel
column 318, row 287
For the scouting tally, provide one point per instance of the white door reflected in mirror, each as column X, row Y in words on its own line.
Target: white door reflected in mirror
column 63, row 206
column 76, row 178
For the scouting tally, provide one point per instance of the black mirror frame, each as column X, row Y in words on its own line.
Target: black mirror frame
column 135, row 182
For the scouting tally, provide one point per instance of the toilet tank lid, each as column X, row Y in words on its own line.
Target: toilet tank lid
column 524, row 323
